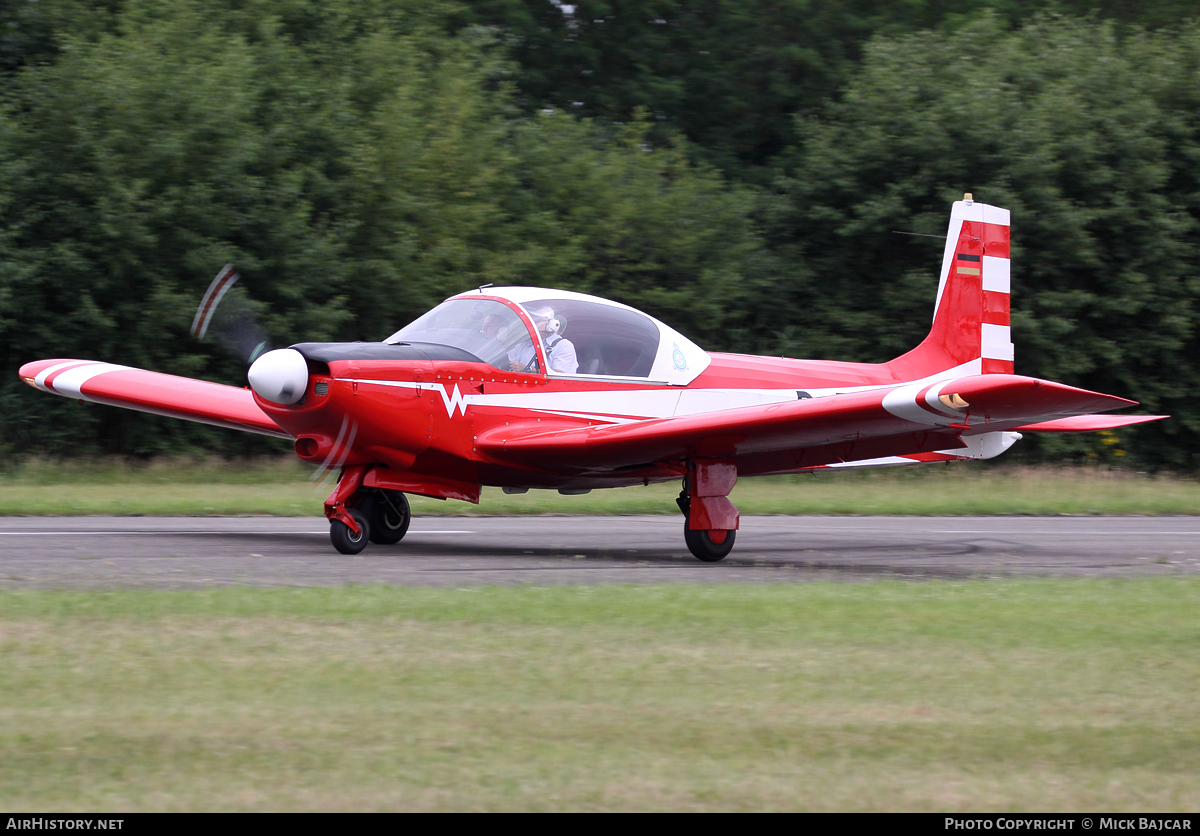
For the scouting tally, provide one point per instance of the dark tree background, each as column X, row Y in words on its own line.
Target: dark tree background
column 735, row 168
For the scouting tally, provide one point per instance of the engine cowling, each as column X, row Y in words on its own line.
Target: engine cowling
column 280, row 376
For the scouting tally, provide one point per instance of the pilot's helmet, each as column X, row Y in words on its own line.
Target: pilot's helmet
column 546, row 313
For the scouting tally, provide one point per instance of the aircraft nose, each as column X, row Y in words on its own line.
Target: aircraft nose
column 279, row 376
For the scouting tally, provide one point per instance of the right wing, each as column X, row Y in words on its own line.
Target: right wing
column 160, row 394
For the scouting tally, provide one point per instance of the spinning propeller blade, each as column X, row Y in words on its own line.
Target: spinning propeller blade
column 327, row 470
column 236, row 327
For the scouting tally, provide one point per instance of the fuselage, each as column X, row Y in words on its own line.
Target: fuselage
column 420, row 407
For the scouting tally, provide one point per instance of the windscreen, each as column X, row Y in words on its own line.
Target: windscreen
column 490, row 330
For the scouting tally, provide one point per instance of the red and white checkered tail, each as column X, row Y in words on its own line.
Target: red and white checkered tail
column 970, row 331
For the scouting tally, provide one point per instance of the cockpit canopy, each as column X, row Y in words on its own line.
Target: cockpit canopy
column 486, row 328
column 600, row 338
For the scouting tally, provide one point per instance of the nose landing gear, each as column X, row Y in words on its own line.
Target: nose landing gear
column 360, row 514
column 345, row 539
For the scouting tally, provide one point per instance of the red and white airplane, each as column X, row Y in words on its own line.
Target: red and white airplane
column 525, row 387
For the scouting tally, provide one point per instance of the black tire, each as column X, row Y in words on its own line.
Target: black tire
column 389, row 521
column 345, row 540
column 700, row 544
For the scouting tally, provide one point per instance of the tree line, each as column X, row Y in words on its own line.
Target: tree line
column 736, row 169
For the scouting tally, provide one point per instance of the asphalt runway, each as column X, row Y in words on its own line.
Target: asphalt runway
column 196, row 552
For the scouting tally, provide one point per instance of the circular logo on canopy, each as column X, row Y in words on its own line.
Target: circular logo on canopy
column 677, row 358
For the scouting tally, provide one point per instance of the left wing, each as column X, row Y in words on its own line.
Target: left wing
column 161, row 394
column 966, row 406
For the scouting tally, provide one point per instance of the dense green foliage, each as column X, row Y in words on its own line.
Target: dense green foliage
column 356, row 162
column 734, row 168
column 731, row 74
column 1092, row 142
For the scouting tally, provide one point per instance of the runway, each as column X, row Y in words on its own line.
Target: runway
column 197, row 552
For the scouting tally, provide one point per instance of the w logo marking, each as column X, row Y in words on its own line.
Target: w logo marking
column 453, row 402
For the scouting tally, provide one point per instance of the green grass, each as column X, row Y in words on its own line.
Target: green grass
column 283, row 487
column 1028, row 695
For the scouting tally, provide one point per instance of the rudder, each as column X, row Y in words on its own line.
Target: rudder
column 971, row 328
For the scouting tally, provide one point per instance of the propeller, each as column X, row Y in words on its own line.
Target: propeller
column 232, row 318
column 229, row 317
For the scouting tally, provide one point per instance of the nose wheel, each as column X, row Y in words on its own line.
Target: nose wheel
column 344, row 538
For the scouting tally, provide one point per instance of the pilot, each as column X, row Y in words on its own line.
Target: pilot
column 492, row 327
column 560, row 352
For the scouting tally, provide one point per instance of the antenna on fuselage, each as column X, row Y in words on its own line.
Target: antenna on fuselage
column 483, row 286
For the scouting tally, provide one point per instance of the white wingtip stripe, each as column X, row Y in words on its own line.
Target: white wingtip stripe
column 70, row 382
column 40, row 379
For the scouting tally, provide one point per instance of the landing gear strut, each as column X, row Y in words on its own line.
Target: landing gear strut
column 710, row 520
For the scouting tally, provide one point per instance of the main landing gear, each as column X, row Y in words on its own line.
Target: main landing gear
column 381, row 516
column 709, row 546
column 710, row 520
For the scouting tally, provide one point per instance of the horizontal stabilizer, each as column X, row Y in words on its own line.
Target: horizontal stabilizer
column 1003, row 397
column 145, row 391
column 1089, row 423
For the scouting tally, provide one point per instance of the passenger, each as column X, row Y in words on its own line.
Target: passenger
column 560, row 352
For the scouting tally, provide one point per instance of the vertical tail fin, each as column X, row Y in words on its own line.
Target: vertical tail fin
column 970, row 332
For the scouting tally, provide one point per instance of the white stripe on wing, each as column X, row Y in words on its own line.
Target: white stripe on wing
column 70, row 382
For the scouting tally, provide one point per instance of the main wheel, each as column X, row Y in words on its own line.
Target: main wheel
column 704, row 545
column 345, row 540
column 389, row 516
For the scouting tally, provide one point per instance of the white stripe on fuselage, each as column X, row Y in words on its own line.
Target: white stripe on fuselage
column 620, row 406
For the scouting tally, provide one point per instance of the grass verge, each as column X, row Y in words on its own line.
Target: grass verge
column 283, row 487
column 1005, row 695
